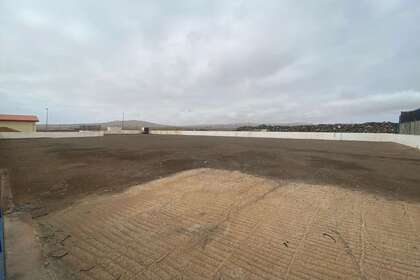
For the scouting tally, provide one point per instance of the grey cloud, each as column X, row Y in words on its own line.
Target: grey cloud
column 185, row 62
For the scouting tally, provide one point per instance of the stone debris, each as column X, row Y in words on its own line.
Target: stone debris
column 368, row 127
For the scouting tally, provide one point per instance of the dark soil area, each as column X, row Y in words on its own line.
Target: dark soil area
column 55, row 172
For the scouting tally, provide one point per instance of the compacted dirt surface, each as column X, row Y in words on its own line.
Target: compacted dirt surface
column 213, row 224
column 179, row 207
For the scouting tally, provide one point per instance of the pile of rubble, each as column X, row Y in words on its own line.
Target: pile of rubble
column 368, row 127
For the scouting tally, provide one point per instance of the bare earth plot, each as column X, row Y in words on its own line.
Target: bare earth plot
column 213, row 224
column 242, row 209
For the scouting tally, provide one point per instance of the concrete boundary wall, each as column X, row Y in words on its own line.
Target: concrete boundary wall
column 116, row 132
column 26, row 135
column 408, row 140
column 411, row 128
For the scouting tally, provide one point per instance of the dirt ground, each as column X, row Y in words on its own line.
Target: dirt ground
column 243, row 209
column 213, row 224
column 55, row 172
column 25, row 260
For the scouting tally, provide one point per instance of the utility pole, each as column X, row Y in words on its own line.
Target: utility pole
column 122, row 122
column 46, row 119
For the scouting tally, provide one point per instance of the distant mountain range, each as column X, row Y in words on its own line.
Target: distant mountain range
column 132, row 124
column 137, row 124
column 128, row 124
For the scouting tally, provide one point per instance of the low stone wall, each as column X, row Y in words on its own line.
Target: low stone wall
column 408, row 140
column 25, row 135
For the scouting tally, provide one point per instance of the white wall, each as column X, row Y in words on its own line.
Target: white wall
column 23, row 135
column 408, row 140
column 122, row 132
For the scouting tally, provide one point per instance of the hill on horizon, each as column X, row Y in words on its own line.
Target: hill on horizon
column 132, row 124
column 128, row 124
column 138, row 124
column 233, row 126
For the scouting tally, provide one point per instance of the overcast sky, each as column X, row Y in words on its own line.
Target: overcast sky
column 193, row 62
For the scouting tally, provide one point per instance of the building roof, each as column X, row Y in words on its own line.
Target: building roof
column 18, row 118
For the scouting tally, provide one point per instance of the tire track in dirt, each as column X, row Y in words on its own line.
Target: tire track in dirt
column 214, row 224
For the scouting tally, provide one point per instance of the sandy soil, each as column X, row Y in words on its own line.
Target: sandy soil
column 216, row 224
column 23, row 251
